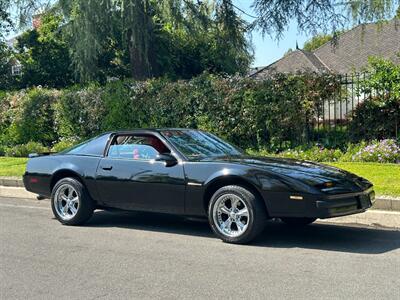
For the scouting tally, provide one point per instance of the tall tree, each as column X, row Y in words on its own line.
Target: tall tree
column 143, row 30
column 138, row 26
column 139, row 32
column 6, row 80
column 18, row 13
column 231, row 35
column 6, row 23
column 43, row 53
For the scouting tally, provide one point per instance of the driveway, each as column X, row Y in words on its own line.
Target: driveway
column 135, row 255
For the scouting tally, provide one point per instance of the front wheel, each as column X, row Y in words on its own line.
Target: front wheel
column 236, row 215
column 298, row 221
column 70, row 202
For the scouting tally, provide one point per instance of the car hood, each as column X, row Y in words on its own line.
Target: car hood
column 307, row 172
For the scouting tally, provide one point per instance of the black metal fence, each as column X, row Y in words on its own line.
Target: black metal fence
column 334, row 113
column 337, row 110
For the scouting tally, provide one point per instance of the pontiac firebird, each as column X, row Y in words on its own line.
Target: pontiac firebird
column 192, row 173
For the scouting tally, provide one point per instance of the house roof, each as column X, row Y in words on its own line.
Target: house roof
column 295, row 61
column 349, row 54
column 357, row 45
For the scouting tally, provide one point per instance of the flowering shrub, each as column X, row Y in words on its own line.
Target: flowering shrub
column 315, row 153
column 385, row 151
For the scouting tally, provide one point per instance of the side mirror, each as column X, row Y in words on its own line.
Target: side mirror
column 169, row 159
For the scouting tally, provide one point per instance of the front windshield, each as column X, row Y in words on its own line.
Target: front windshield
column 195, row 144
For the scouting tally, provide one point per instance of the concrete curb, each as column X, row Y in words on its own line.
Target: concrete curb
column 392, row 204
column 14, row 187
column 11, row 181
column 373, row 217
column 16, row 192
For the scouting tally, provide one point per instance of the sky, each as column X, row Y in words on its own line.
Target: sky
column 266, row 49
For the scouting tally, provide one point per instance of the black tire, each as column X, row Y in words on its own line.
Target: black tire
column 257, row 214
column 298, row 221
column 85, row 205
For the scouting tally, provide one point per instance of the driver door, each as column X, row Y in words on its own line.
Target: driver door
column 130, row 178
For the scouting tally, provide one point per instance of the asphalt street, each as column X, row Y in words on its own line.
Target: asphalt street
column 135, row 255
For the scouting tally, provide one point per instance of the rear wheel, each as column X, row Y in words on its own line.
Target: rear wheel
column 70, row 202
column 236, row 215
column 298, row 221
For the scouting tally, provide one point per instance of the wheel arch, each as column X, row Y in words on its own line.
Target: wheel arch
column 222, row 181
column 63, row 173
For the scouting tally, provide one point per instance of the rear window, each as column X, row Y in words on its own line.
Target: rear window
column 92, row 147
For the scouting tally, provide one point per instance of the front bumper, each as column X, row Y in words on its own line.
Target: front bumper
column 345, row 204
column 284, row 204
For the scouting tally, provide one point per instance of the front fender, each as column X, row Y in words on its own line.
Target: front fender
column 242, row 174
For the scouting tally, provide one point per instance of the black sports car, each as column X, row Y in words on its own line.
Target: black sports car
column 192, row 173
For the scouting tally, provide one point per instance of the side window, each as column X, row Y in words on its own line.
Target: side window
column 143, row 147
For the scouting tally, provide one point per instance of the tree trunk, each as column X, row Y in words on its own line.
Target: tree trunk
column 137, row 60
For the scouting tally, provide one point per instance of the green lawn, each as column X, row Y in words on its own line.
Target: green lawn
column 385, row 177
column 12, row 166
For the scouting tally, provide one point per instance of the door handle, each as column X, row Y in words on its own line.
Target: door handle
column 107, row 168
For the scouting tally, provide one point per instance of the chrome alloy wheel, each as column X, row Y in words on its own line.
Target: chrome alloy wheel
column 231, row 215
column 66, row 201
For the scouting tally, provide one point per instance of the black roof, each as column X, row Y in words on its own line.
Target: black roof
column 143, row 130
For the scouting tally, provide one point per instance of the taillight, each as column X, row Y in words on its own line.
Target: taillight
column 33, row 180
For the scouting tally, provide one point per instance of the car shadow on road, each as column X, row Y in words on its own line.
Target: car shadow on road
column 332, row 237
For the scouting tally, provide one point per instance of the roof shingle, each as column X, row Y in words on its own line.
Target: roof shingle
column 350, row 54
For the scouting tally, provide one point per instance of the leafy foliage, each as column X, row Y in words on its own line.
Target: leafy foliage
column 25, row 149
column 6, row 24
column 63, row 144
column 275, row 114
column 6, row 57
column 249, row 113
column 383, row 84
column 79, row 113
column 30, row 116
column 44, row 55
column 274, row 16
column 176, row 38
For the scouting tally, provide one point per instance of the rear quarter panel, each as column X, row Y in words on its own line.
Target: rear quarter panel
column 41, row 171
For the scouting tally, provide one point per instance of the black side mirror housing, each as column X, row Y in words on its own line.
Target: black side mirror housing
column 168, row 158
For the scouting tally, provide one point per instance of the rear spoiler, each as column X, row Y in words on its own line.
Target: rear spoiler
column 32, row 155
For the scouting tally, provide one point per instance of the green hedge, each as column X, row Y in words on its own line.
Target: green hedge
column 28, row 115
column 247, row 112
column 273, row 114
